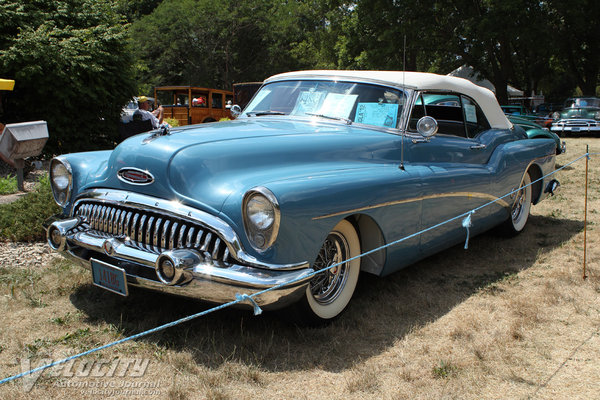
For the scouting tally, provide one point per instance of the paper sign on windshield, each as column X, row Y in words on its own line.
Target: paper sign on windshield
column 377, row 114
column 338, row 105
column 308, row 102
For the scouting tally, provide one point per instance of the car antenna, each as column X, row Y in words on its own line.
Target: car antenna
column 403, row 93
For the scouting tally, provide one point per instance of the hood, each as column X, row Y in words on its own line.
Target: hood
column 202, row 165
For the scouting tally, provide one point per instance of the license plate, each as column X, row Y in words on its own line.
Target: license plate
column 109, row 277
column 575, row 129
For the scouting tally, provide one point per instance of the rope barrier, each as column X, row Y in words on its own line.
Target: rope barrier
column 466, row 223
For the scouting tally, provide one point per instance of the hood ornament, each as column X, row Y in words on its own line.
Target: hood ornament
column 163, row 130
column 135, row 176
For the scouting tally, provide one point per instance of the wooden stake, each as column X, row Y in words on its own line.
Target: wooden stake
column 587, row 157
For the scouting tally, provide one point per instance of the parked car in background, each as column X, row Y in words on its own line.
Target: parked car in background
column 546, row 109
column 514, row 109
column 193, row 105
column 320, row 167
column 579, row 115
column 536, row 131
column 526, row 114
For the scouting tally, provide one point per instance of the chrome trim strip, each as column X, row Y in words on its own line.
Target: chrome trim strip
column 484, row 196
column 162, row 206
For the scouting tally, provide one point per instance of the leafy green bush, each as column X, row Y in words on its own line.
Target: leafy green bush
column 8, row 185
column 21, row 221
column 72, row 68
column 172, row 121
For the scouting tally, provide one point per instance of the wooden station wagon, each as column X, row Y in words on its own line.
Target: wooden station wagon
column 193, row 105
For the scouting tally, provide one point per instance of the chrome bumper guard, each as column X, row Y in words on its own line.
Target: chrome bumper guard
column 184, row 272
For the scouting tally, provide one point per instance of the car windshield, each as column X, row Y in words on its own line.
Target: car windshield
column 345, row 101
column 590, row 102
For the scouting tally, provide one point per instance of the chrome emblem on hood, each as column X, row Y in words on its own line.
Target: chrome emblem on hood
column 135, row 176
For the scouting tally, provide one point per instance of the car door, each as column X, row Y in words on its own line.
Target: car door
column 456, row 177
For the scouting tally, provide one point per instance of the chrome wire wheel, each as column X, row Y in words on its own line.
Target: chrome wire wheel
column 326, row 286
column 330, row 291
column 519, row 213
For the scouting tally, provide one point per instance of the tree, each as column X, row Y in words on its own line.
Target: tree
column 214, row 43
column 71, row 66
column 576, row 40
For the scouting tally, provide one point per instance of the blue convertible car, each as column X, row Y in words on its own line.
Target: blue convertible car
column 320, row 167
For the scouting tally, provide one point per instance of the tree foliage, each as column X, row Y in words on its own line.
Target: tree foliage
column 214, row 43
column 71, row 66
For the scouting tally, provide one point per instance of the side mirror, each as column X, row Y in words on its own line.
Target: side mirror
column 427, row 127
column 235, row 111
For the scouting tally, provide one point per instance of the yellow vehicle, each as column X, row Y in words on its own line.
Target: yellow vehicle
column 193, row 105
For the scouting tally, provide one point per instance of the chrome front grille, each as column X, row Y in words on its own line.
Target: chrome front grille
column 151, row 231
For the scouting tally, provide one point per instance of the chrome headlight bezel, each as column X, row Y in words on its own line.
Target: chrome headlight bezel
column 257, row 200
column 61, row 180
column 556, row 115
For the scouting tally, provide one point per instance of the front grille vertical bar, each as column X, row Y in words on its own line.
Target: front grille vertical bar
column 110, row 220
column 190, row 237
column 134, row 223
column 116, row 225
column 140, row 230
column 198, row 239
column 148, row 239
column 165, row 234
column 94, row 220
column 215, row 251
column 102, row 222
column 126, row 225
column 156, row 235
column 206, row 242
column 172, row 235
column 226, row 254
column 88, row 213
column 180, row 242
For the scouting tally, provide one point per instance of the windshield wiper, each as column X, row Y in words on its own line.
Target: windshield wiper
column 259, row 113
column 346, row 120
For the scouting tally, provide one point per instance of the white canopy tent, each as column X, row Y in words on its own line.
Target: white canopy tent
column 467, row 72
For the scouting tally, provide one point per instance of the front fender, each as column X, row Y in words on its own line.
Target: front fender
column 86, row 167
column 313, row 204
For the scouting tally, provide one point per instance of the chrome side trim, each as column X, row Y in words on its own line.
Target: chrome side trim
column 485, row 196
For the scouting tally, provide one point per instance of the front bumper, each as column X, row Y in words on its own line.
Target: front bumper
column 576, row 126
column 197, row 274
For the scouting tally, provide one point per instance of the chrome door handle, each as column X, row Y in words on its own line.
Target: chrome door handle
column 478, row 146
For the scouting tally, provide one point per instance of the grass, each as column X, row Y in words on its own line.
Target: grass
column 506, row 319
column 8, row 185
column 21, row 221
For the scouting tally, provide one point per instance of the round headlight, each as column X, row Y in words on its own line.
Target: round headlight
column 597, row 115
column 261, row 217
column 61, row 179
column 260, row 211
column 556, row 115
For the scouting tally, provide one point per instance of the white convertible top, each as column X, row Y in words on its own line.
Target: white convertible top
column 415, row 80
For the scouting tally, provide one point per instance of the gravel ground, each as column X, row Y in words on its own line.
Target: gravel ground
column 24, row 255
